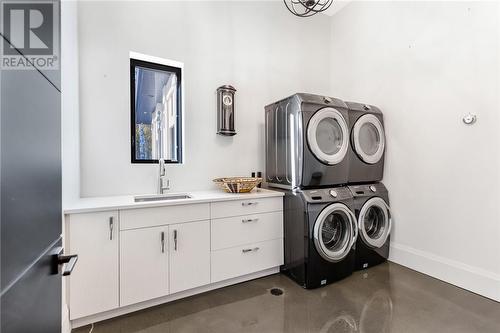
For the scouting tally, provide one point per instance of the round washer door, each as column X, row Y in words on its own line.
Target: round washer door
column 335, row 232
column 328, row 136
column 369, row 139
column 374, row 222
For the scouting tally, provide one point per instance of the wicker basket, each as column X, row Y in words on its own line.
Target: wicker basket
column 238, row 184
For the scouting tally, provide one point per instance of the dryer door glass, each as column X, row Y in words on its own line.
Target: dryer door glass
column 369, row 139
column 374, row 222
column 327, row 135
column 334, row 232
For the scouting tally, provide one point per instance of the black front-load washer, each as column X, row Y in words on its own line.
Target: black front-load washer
column 320, row 235
column 371, row 205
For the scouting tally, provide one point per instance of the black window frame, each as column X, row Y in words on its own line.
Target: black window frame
column 178, row 71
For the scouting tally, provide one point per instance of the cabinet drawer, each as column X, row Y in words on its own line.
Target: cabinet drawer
column 240, row 230
column 241, row 260
column 152, row 217
column 245, row 207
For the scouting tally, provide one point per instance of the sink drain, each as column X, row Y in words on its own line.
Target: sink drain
column 276, row 292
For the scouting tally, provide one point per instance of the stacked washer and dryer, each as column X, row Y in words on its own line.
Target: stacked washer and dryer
column 327, row 156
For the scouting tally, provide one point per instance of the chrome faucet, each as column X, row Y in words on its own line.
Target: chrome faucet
column 163, row 182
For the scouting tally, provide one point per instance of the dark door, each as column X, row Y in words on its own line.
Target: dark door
column 31, row 213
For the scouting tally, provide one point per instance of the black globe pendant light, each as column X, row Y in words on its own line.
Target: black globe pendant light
column 306, row 8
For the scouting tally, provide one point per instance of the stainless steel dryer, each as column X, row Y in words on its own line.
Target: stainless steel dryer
column 320, row 233
column 307, row 141
column 367, row 148
column 371, row 206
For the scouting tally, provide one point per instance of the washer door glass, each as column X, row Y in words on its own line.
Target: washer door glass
column 335, row 232
column 369, row 139
column 374, row 222
column 327, row 135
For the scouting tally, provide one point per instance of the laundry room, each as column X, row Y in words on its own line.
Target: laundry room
column 250, row 166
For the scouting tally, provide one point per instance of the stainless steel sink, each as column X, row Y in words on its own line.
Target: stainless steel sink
column 161, row 197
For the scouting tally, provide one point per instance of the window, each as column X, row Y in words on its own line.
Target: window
column 156, row 109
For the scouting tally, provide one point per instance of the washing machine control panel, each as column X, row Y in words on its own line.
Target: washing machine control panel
column 368, row 190
column 327, row 194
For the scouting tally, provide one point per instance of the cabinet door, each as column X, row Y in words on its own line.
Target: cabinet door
column 94, row 282
column 143, row 264
column 189, row 255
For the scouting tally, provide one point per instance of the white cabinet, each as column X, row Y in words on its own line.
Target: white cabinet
column 93, row 284
column 240, row 230
column 158, row 261
column 246, row 259
column 246, row 237
column 138, row 256
column 189, row 255
column 143, row 264
column 244, row 207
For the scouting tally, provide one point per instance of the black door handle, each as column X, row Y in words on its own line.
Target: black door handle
column 66, row 261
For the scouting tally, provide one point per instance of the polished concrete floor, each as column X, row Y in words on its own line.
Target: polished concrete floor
column 386, row 298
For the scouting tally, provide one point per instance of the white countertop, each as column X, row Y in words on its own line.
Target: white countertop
column 96, row 204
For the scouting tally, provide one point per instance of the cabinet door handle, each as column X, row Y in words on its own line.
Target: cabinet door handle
column 250, row 250
column 175, row 240
column 162, row 237
column 111, row 225
column 249, row 220
column 249, row 203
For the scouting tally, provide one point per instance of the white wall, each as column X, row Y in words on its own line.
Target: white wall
column 258, row 47
column 70, row 122
column 70, row 101
column 426, row 64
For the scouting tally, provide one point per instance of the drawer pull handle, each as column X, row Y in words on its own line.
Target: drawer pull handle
column 111, row 226
column 162, row 237
column 249, row 220
column 250, row 250
column 249, row 203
